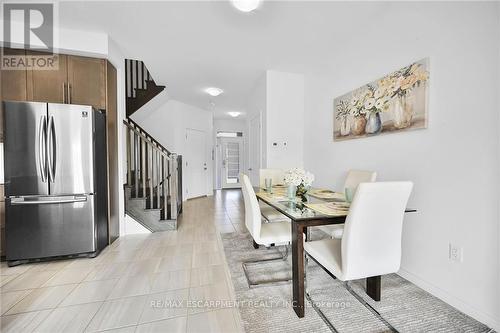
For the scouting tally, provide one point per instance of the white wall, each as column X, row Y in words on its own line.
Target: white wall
column 454, row 163
column 168, row 124
column 278, row 100
column 284, row 144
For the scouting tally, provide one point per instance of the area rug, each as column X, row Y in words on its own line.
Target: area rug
column 268, row 308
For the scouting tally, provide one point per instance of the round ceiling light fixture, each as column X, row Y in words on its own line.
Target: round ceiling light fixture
column 234, row 114
column 213, row 91
column 246, row 5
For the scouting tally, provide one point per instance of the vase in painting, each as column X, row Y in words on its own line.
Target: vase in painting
column 373, row 123
column 358, row 125
column 402, row 111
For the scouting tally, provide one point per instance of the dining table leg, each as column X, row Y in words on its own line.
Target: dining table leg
column 373, row 287
column 298, row 268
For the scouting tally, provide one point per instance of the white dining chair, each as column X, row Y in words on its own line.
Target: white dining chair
column 353, row 179
column 267, row 234
column 371, row 244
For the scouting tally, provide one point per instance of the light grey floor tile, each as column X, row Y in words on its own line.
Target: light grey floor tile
column 207, row 298
column 143, row 267
column 16, row 270
column 9, row 299
column 131, row 286
column 212, row 322
column 92, row 291
column 118, row 313
column 69, row 319
column 4, row 279
column 165, row 305
column 170, row 281
column 207, row 259
column 174, row 263
column 107, row 271
column 68, row 276
column 23, row 322
column 207, row 275
column 28, row 280
column 174, row 325
column 42, row 298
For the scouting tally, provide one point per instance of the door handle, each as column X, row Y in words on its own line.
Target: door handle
column 64, row 92
column 250, row 169
column 42, row 148
column 52, row 145
column 69, row 93
column 23, row 201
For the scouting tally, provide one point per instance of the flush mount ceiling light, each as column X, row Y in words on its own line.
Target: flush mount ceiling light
column 234, row 114
column 212, row 91
column 246, row 5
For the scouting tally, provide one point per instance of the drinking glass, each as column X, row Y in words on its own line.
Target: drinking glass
column 349, row 194
column 269, row 184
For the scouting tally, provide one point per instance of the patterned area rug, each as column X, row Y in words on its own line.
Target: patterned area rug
column 268, row 309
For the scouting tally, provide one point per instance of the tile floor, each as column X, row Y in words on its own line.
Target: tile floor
column 161, row 282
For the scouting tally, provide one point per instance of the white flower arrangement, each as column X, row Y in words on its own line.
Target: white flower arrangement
column 298, row 176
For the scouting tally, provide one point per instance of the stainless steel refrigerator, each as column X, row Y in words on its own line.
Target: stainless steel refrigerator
column 55, row 181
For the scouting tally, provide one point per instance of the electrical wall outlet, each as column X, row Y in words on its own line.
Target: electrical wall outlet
column 455, row 253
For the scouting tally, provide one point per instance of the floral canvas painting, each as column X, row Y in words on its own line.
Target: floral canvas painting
column 397, row 102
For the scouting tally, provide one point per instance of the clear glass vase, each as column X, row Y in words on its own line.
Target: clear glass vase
column 290, row 191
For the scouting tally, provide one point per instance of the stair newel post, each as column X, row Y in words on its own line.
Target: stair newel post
column 173, row 186
column 150, row 176
column 129, row 157
column 143, row 167
column 153, row 175
column 164, row 187
column 136, row 165
column 158, row 179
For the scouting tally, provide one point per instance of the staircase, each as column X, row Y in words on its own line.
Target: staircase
column 153, row 193
column 140, row 86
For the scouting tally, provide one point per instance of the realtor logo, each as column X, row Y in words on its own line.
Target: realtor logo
column 28, row 26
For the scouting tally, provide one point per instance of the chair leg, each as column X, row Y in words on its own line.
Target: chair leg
column 251, row 283
column 352, row 292
column 369, row 307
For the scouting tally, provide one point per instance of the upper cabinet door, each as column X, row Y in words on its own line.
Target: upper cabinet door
column 48, row 85
column 13, row 87
column 87, row 81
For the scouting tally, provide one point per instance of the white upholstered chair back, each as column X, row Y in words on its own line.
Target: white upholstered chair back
column 371, row 244
column 356, row 177
column 253, row 219
column 277, row 175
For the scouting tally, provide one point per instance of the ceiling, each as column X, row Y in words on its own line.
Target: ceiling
column 191, row 45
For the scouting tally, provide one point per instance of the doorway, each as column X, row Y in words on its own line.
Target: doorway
column 231, row 161
column 195, row 164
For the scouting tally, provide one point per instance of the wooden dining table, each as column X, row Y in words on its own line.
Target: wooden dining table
column 302, row 216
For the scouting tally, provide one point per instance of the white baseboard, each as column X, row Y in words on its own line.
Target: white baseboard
column 450, row 299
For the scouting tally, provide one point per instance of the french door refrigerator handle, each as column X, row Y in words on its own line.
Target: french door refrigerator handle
column 42, row 148
column 72, row 199
column 52, row 145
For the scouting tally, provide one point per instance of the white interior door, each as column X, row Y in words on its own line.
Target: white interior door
column 232, row 161
column 195, row 164
column 254, row 150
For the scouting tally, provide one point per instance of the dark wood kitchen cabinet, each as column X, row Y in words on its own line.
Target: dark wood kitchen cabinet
column 87, row 81
column 48, row 85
